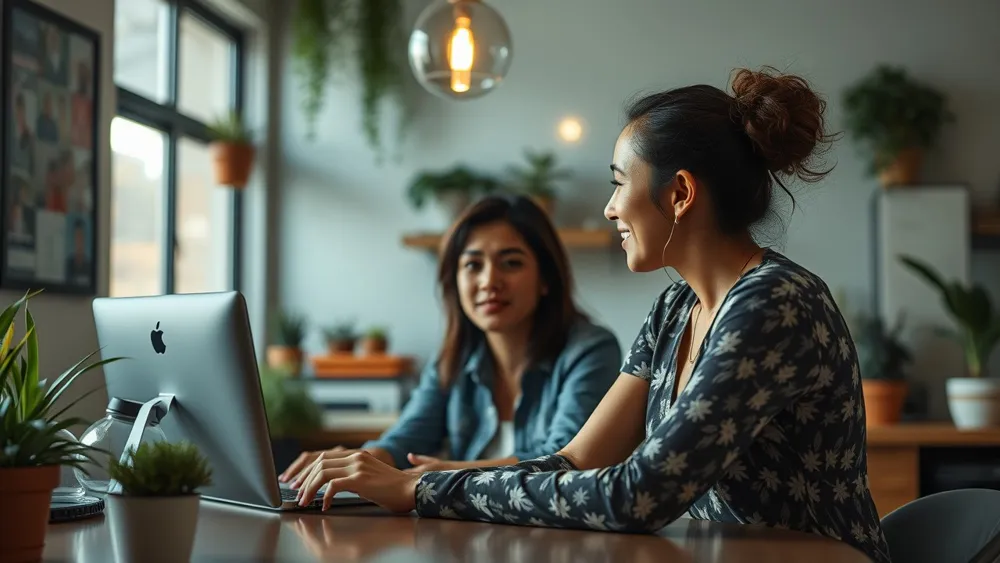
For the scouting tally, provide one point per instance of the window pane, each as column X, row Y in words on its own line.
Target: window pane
column 205, row 91
column 137, row 209
column 203, row 257
column 141, row 32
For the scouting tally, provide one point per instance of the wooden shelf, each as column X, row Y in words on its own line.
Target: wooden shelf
column 571, row 238
column 986, row 228
column 938, row 434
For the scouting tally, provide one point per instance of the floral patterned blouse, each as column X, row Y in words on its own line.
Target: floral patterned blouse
column 769, row 430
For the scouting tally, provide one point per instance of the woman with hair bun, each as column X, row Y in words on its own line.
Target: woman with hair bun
column 740, row 399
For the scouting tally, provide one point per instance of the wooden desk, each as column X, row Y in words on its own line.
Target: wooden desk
column 229, row 533
column 894, row 457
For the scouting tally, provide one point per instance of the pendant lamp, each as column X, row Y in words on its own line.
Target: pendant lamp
column 460, row 49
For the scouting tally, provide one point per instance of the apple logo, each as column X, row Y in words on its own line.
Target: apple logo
column 156, row 337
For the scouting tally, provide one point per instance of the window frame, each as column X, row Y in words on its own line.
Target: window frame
column 167, row 118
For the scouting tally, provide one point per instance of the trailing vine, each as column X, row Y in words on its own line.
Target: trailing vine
column 323, row 31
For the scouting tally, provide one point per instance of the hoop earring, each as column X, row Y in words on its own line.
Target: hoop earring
column 662, row 252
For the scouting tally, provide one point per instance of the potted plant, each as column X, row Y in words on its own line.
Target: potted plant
column 341, row 338
column 883, row 358
column 285, row 351
column 537, row 180
column 291, row 413
column 375, row 341
column 156, row 514
column 453, row 189
column 898, row 118
column 232, row 151
column 974, row 401
column 34, row 445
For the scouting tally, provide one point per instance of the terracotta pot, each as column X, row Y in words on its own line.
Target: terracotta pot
column 340, row 347
column 547, row 204
column 233, row 163
column 24, row 511
column 904, row 170
column 884, row 400
column 285, row 357
column 153, row 529
column 374, row 346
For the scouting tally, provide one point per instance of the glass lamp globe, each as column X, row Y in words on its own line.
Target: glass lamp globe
column 460, row 49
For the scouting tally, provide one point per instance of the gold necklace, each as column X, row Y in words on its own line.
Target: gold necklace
column 693, row 352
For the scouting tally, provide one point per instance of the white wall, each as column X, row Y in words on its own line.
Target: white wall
column 342, row 217
column 65, row 324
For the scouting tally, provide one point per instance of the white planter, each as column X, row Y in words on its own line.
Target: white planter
column 974, row 402
column 152, row 529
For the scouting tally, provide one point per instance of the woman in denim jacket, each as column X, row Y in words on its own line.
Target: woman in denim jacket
column 521, row 367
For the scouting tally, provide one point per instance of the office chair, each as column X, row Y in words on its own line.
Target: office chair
column 960, row 526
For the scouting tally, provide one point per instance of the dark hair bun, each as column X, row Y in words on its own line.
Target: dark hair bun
column 783, row 117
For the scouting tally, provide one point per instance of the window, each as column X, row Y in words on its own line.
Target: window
column 178, row 66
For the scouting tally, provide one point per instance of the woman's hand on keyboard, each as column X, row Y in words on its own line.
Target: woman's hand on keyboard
column 299, row 468
column 364, row 474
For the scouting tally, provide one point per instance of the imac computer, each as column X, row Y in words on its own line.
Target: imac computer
column 190, row 359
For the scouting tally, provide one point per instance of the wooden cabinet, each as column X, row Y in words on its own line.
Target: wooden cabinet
column 894, row 457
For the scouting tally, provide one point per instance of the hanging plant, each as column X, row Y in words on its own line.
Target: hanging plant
column 380, row 42
column 320, row 30
column 324, row 31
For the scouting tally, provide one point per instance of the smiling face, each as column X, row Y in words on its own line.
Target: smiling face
column 645, row 229
column 498, row 280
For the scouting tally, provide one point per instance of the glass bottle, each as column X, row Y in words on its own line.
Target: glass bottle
column 110, row 434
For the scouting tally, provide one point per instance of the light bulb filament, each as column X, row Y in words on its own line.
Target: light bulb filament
column 461, row 53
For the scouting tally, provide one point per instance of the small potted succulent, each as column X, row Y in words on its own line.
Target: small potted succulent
column 291, row 413
column 375, row 341
column 538, row 179
column 232, row 151
column 34, row 442
column 341, row 338
column 285, row 351
column 898, row 118
column 884, row 359
column 156, row 511
column 974, row 400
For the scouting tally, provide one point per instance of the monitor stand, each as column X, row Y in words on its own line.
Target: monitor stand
column 159, row 407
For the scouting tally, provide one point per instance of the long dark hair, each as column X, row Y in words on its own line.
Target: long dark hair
column 556, row 311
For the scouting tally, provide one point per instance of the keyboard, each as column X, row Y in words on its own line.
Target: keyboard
column 290, row 495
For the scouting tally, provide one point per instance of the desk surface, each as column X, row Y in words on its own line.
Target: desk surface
column 229, row 533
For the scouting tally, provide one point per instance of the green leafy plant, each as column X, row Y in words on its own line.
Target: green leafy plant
column 457, row 180
column 970, row 308
column 288, row 329
column 229, row 128
column 342, row 332
column 881, row 352
column 291, row 411
column 324, row 32
column 376, row 333
column 30, row 425
column 161, row 469
column 380, row 41
column 539, row 177
column 891, row 112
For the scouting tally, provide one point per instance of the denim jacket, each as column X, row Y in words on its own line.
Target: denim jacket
column 557, row 397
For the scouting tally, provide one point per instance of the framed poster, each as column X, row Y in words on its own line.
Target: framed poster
column 49, row 184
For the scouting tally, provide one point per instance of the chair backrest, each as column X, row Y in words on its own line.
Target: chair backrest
column 960, row 526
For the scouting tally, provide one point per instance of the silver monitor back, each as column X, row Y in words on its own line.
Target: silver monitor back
column 198, row 348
